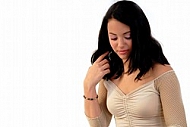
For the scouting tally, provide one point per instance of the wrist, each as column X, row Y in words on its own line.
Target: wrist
column 90, row 91
column 90, row 99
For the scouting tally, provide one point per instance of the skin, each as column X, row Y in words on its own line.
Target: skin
column 121, row 43
column 119, row 38
column 94, row 74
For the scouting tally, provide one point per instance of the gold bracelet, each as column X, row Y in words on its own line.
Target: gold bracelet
column 90, row 99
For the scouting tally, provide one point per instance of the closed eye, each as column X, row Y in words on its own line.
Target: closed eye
column 113, row 39
column 128, row 37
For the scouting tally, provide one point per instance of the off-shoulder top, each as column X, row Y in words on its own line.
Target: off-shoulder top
column 157, row 103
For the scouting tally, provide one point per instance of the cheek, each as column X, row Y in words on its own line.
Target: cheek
column 129, row 44
column 113, row 45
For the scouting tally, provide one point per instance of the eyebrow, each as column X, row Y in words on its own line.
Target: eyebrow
column 123, row 33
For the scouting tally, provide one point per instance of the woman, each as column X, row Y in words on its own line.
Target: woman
column 136, row 82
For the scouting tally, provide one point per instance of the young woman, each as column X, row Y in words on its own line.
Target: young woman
column 136, row 82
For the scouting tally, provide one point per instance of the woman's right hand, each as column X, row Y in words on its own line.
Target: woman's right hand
column 97, row 71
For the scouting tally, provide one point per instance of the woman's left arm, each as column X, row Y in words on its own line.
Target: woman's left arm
column 170, row 94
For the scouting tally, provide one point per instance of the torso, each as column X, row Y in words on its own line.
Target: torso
column 126, row 83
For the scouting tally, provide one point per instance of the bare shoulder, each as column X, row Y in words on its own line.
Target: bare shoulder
column 159, row 69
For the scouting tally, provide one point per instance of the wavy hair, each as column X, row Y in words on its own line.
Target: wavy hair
column 146, row 50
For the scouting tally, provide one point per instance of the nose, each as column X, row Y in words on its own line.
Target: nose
column 121, row 43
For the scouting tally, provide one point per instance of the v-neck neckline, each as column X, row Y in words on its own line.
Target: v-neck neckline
column 132, row 91
column 141, row 86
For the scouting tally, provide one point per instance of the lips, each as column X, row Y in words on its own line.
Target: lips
column 122, row 52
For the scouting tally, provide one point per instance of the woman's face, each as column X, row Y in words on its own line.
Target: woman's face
column 120, row 38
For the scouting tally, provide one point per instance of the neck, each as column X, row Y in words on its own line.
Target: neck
column 126, row 65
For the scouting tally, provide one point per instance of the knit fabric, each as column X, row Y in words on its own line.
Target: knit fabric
column 157, row 103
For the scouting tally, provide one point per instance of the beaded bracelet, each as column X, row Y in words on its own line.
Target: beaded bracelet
column 90, row 99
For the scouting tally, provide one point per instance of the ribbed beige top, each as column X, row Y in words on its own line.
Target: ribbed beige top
column 156, row 103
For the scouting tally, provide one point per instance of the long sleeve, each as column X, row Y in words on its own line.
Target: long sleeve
column 105, row 117
column 170, row 94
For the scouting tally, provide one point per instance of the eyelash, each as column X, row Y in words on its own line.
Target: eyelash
column 128, row 38
column 114, row 39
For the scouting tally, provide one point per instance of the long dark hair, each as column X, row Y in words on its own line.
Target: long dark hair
column 146, row 50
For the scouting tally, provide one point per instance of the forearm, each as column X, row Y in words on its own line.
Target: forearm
column 170, row 94
column 96, row 110
column 91, row 107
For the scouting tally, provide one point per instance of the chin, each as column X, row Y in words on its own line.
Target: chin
column 123, row 59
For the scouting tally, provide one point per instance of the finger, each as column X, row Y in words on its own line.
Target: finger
column 107, row 71
column 105, row 61
column 100, row 58
column 105, row 66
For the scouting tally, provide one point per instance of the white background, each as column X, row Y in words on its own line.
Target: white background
column 45, row 50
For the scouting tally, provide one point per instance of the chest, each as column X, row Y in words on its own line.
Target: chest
column 143, row 102
column 127, row 83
